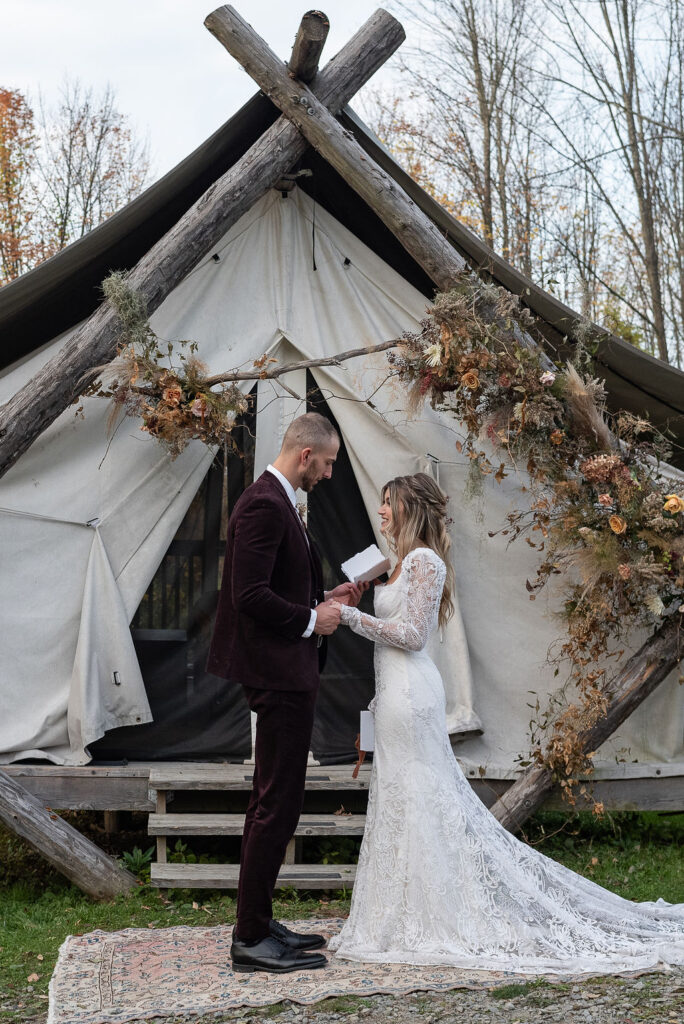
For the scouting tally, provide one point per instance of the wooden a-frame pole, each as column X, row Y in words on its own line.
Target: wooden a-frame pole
column 60, row 381
column 419, row 236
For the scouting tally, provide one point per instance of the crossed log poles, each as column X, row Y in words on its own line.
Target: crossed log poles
column 309, row 118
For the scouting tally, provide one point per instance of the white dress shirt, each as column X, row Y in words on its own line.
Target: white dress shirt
column 289, row 490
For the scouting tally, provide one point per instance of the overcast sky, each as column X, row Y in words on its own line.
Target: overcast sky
column 171, row 77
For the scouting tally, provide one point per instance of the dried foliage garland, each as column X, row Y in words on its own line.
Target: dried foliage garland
column 600, row 512
column 173, row 398
column 177, row 402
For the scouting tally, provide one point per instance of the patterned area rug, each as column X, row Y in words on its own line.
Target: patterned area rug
column 112, row 977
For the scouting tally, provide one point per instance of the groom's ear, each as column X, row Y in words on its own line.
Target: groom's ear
column 305, row 455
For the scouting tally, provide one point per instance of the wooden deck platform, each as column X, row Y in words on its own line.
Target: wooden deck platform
column 127, row 787
column 184, row 799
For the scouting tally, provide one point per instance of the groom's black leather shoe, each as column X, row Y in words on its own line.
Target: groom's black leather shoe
column 294, row 939
column 273, row 956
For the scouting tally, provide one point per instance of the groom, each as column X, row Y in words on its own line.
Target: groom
column 272, row 617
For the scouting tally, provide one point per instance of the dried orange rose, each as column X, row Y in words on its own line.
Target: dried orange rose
column 617, row 524
column 605, row 499
column 173, row 395
column 673, row 504
column 624, row 571
column 470, row 380
column 557, row 437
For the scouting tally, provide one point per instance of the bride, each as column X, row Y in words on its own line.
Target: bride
column 439, row 880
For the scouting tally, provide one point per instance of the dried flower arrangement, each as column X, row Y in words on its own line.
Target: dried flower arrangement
column 174, row 400
column 601, row 512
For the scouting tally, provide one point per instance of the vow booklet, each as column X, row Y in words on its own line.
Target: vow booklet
column 366, row 565
column 367, row 731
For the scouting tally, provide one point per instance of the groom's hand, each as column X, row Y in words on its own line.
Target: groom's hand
column 327, row 618
column 348, row 593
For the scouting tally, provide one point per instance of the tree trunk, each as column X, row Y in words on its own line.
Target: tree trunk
column 639, row 677
column 83, row 863
column 62, row 379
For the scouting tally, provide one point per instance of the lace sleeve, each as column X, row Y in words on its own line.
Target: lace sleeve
column 426, row 574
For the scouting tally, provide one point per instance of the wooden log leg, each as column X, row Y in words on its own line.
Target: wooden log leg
column 64, row 847
column 41, row 400
column 290, row 852
column 112, row 821
column 161, row 840
column 639, row 677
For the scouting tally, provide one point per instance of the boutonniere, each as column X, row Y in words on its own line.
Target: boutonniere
column 302, row 509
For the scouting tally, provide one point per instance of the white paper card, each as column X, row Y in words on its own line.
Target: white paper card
column 367, row 731
column 366, row 565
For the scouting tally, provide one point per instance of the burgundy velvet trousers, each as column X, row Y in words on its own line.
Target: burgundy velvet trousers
column 283, row 737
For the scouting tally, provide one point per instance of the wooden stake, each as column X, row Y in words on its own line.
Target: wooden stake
column 63, row 378
column 64, row 847
column 639, row 677
column 308, row 46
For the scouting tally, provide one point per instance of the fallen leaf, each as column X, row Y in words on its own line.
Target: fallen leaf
column 40, row 956
column 195, row 906
column 33, row 977
column 144, row 907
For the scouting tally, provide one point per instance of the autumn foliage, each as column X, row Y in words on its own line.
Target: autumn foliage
column 63, row 170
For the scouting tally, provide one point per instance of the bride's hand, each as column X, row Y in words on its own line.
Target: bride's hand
column 348, row 593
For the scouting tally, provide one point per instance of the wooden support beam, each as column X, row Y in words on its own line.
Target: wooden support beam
column 36, row 405
column 112, row 821
column 638, row 678
column 64, row 847
column 308, row 46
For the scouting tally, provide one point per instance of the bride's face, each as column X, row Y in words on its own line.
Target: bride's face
column 385, row 513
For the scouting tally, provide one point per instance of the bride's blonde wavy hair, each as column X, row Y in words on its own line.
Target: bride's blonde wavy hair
column 419, row 513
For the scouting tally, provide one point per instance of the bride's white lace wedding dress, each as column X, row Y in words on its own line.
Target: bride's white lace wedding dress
column 439, row 880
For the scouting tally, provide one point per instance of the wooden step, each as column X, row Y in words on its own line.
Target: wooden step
column 233, row 824
column 239, row 777
column 225, row 876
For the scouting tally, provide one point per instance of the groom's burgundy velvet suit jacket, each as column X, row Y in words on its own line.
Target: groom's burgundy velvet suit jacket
column 272, row 578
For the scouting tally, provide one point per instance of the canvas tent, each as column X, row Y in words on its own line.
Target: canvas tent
column 85, row 523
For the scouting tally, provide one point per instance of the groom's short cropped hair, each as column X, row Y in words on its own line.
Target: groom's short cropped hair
column 309, row 431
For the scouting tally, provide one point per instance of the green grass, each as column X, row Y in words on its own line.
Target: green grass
column 515, row 991
column 638, row 856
